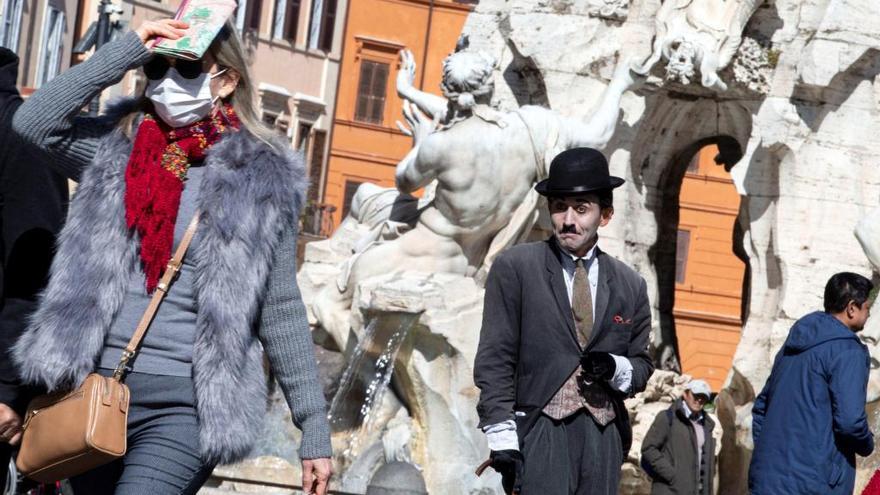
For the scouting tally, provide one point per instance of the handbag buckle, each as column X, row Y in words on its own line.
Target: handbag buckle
column 172, row 271
column 122, row 367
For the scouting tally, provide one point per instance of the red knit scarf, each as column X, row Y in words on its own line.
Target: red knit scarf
column 154, row 181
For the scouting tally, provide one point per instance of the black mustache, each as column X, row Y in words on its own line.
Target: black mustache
column 568, row 229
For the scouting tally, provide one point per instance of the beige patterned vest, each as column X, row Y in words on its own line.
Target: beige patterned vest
column 577, row 393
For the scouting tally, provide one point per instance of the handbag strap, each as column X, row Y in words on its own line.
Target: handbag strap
column 168, row 277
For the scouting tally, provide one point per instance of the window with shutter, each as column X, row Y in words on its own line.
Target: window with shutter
column 52, row 45
column 372, row 86
column 316, row 164
column 322, row 24
column 303, row 135
column 291, row 20
column 328, row 22
column 247, row 15
column 10, row 24
column 351, row 187
column 286, row 19
column 253, row 14
column 683, row 242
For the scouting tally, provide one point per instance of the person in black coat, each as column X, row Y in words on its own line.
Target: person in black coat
column 564, row 340
column 678, row 451
column 33, row 205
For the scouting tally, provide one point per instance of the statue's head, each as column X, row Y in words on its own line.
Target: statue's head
column 467, row 78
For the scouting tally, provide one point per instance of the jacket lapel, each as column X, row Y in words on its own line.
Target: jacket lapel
column 557, row 283
column 604, row 291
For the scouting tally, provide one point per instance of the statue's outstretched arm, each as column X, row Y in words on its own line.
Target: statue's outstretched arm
column 597, row 131
column 417, row 168
column 431, row 104
column 868, row 234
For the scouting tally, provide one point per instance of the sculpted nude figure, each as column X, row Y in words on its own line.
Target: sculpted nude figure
column 485, row 164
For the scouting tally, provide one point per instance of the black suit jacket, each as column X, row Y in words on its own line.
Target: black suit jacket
column 528, row 346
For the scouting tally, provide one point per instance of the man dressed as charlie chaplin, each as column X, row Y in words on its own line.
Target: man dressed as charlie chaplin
column 564, row 341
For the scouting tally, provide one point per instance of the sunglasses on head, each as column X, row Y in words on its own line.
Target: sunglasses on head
column 158, row 66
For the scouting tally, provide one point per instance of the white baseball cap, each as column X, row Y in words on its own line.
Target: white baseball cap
column 699, row 387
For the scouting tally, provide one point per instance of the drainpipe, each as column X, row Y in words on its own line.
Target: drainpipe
column 427, row 41
column 103, row 35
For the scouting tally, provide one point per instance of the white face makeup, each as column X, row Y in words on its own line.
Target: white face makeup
column 576, row 221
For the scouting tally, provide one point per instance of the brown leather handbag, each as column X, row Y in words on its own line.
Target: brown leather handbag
column 69, row 433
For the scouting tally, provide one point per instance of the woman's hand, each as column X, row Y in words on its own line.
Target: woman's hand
column 163, row 28
column 316, row 475
column 10, row 425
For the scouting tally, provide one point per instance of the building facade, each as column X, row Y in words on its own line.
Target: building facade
column 709, row 275
column 366, row 144
column 42, row 33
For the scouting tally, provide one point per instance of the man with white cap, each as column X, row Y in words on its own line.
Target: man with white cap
column 678, row 451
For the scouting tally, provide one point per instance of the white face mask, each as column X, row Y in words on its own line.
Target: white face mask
column 180, row 101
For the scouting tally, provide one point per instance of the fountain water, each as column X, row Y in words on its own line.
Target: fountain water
column 365, row 380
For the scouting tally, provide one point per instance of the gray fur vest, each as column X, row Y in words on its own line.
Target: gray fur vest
column 250, row 193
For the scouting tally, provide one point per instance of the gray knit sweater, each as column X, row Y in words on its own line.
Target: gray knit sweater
column 49, row 120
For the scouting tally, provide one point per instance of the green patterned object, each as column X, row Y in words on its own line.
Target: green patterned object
column 205, row 19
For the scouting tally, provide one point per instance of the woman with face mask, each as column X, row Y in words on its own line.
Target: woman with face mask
column 190, row 144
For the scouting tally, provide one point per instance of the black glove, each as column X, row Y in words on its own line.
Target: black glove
column 598, row 366
column 509, row 464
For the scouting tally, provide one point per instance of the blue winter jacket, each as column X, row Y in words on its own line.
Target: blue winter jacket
column 809, row 421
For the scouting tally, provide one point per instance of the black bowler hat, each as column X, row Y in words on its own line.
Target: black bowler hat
column 578, row 170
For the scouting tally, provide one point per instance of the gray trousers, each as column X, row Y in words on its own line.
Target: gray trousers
column 574, row 456
column 163, row 443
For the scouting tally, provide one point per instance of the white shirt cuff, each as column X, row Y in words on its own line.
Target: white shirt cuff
column 622, row 379
column 502, row 436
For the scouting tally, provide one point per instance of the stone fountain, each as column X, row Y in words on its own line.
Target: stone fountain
column 787, row 89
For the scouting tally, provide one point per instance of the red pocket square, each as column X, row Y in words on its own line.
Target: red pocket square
column 619, row 320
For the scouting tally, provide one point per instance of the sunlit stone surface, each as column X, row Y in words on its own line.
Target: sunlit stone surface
column 788, row 86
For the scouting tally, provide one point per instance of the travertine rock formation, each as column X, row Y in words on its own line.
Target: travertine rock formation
column 798, row 124
column 787, row 89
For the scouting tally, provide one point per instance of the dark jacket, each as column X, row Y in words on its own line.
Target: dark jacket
column 670, row 451
column 809, row 421
column 33, row 204
column 528, row 346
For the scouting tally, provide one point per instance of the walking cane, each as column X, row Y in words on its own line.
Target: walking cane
column 485, row 465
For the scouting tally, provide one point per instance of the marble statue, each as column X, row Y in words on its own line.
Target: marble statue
column 698, row 34
column 613, row 10
column 483, row 163
column 867, row 232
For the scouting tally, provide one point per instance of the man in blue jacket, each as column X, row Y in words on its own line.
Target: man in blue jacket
column 809, row 422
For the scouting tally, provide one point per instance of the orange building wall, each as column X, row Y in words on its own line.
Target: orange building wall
column 377, row 30
column 707, row 307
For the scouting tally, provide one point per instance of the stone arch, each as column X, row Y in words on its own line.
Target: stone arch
column 757, row 219
column 673, row 129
